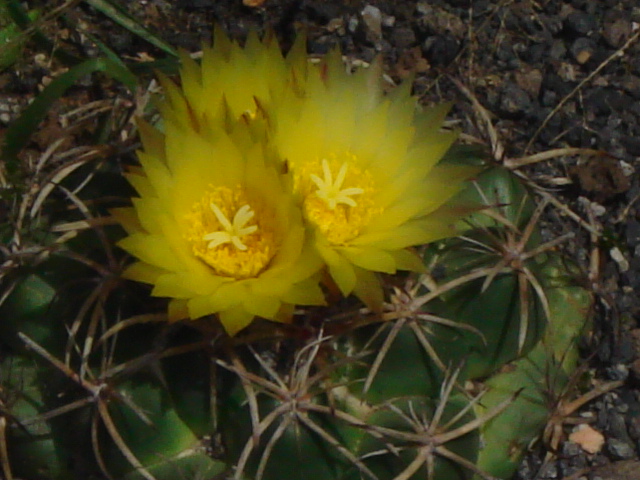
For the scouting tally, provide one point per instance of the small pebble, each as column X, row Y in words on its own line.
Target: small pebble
column 581, row 22
column 582, row 50
column 514, row 101
column 372, row 18
column 616, row 33
column 620, row 450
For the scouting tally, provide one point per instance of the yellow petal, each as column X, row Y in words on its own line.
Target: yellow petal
column 141, row 184
column 408, row 260
column 370, row 258
column 340, row 269
column 157, row 173
column 415, row 232
column 178, row 310
column 262, row 305
column 152, row 139
column 368, row 289
column 234, row 320
column 142, row 272
column 185, row 285
column 307, row 292
column 128, row 218
column 151, row 249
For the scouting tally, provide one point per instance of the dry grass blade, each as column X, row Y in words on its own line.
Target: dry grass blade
column 514, row 163
column 571, row 407
column 79, row 225
column 497, row 149
column 56, row 177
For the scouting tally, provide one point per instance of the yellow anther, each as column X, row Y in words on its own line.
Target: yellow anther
column 233, row 231
column 331, row 191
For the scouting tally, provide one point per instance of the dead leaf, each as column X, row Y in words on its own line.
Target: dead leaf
column 604, row 178
column 589, row 439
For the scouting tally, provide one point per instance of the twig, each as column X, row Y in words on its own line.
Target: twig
column 549, row 154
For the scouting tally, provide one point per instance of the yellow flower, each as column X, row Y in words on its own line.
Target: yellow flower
column 214, row 228
column 234, row 82
column 271, row 167
column 365, row 171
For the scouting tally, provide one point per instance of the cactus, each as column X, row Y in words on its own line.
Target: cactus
column 424, row 387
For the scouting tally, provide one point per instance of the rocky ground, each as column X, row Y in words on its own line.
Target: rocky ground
column 551, row 86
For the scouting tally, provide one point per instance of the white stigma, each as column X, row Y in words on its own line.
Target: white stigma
column 331, row 191
column 233, row 231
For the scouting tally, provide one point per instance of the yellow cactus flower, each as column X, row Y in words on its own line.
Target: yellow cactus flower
column 365, row 171
column 215, row 229
column 269, row 167
column 234, row 81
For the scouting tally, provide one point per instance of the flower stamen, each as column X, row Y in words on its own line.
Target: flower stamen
column 233, row 232
column 331, row 191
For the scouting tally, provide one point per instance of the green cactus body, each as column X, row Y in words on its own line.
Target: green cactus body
column 494, row 312
column 390, row 456
column 162, row 443
column 538, row 378
column 27, row 309
column 286, row 449
column 35, row 451
column 498, row 312
column 405, row 359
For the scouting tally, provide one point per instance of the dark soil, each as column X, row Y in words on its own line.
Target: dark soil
column 524, row 76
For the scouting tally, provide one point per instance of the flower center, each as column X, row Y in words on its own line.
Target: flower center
column 228, row 233
column 332, row 192
column 232, row 232
column 328, row 187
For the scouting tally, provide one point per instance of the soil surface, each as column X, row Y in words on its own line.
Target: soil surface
column 525, row 77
